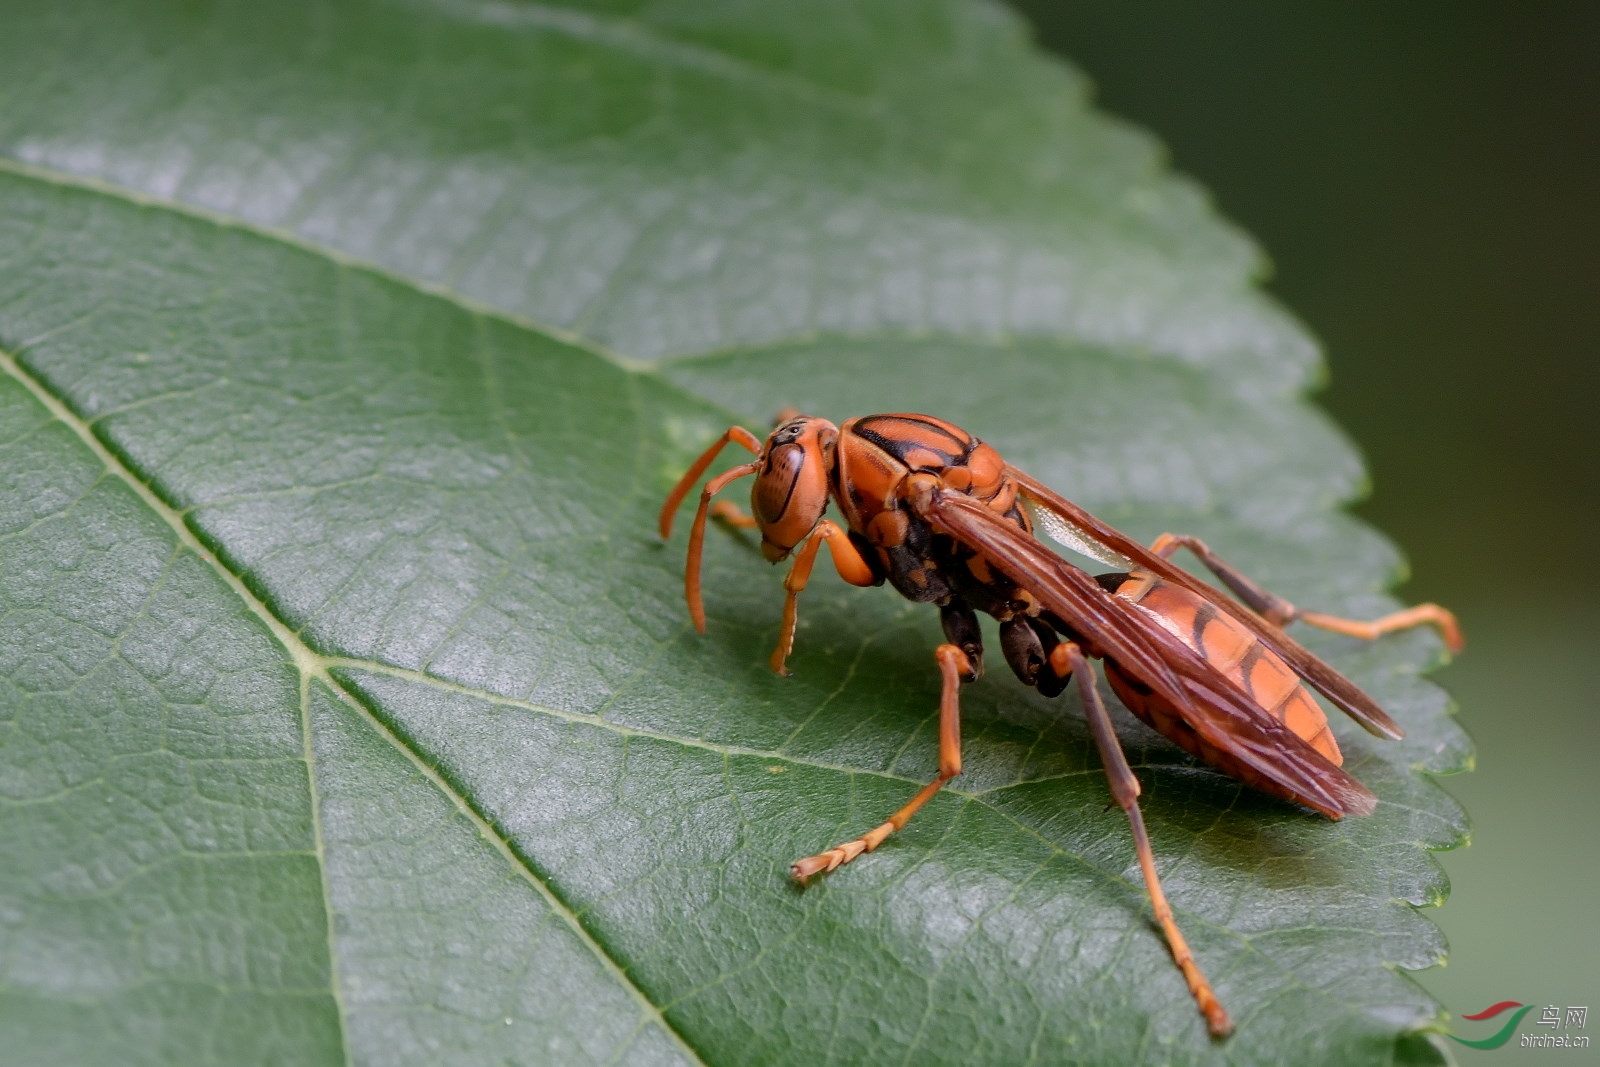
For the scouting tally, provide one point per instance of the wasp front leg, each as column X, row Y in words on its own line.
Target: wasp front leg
column 729, row 513
column 697, row 533
column 847, row 560
column 954, row 668
column 1275, row 609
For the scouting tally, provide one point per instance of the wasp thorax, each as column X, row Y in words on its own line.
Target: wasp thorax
column 791, row 489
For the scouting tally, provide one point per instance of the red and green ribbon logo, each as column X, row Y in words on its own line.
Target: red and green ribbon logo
column 1505, row 1032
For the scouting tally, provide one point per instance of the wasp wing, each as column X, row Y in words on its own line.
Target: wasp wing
column 1217, row 709
column 1073, row 526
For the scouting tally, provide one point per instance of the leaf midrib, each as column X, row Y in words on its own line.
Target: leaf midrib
column 314, row 666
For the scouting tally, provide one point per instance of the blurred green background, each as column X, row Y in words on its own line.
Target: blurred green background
column 1426, row 178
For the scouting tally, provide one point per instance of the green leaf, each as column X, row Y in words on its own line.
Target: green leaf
column 348, row 705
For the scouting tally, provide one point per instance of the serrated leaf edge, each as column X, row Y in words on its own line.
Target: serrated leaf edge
column 312, row 665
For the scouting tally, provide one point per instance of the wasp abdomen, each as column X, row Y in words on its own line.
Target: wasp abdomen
column 1235, row 652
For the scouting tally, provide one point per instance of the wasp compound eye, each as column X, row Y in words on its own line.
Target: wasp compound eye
column 788, row 433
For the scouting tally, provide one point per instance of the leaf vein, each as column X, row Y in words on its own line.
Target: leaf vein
column 636, row 38
column 65, row 180
column 314, row 666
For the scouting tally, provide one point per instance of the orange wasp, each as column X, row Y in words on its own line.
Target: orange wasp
column 940, row 516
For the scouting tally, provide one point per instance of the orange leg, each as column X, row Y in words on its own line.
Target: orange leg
column 728, row 512
column 697, row 534
column 1421, row 615
column 846, row 560
column 1280, row 612
column 697, row 540
column 692, row 475
column 1125, row 790
column 954, row 666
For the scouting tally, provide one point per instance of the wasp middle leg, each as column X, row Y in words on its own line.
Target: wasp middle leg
column 955, row 668
column 1030, row 647
column 1280, row 612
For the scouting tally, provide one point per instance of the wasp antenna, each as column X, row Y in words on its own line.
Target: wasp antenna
column 692, row 475
column 697, row 535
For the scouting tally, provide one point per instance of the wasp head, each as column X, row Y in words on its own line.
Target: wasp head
column 791, row 488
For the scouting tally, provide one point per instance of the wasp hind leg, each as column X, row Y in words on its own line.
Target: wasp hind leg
column 1067, row 659
column 955, row 668
column 1280, row 612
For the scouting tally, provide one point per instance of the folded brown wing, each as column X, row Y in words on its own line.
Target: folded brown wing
column 1333, row 685
column 1202, row 696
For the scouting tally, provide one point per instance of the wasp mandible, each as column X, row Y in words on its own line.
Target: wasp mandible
column 938, row 514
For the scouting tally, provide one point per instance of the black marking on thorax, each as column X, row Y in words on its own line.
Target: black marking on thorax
column 954, row 455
